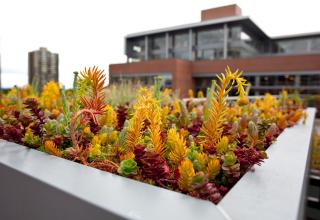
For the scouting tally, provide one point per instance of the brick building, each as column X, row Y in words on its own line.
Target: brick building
column 190, row 55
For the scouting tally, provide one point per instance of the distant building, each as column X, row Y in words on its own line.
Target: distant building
column 191, row 55
column 43, row 66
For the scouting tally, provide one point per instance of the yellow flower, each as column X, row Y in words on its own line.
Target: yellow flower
column 109, row 117
column 95, row 140
column 103, row 138
column 95, row 150
column 55, row 113
column 13, row 93
column 86, row 130
column 202, row 161
column 222, row 145
column 200, row 94
column 213, row 168
column 186, row 171
column 176, row 147
column 51, row 148
column 212, row 127
column 190, row 93
column 176, row 107
column 113, row 136
column 50, row 95
column 183, row 133
column 165, row 113
column 127, row 156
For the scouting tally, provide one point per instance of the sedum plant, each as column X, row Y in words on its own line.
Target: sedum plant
column 151, row 135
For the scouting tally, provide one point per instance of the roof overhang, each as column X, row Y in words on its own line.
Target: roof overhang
column 297, row 36
column 244, row 20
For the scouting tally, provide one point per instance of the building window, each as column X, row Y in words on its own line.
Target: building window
column 145, row 80
column 281, row 80
column 180, row 45
column 203, row 83
column 242, row 43
column 210, row 38
column 315, row 44
column 210, row 54
column 310, row 80
column 136, row 49
column 293, row 46
column 210, row 44
column 286, row 80
column 181, row 40
column 267, row 80
column 157, row 47
column 251, row 80
column 297, row 46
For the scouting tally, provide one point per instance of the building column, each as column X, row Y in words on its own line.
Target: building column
column 146, row 48
column 297, row 81
column 167, row 45
column 225, row 41
column 190, row 45
column 256, row 85
column 182, row 79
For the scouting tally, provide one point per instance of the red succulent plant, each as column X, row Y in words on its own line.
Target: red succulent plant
column 153, row 166
column 248, row 157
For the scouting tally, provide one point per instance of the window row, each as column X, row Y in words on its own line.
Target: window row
column 269, row 81
column 146, row 80
column 202, row 44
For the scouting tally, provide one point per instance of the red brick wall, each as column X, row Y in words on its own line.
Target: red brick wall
column 182, row 70
column 220, row 12
column 261, row 64
column 182, row 77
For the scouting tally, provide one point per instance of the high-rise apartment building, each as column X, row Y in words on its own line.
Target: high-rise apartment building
column 191, row 55
column 43, row 66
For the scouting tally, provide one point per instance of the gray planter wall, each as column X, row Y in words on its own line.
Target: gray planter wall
column 35, row 185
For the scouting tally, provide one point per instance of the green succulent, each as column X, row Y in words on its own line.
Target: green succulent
column 199, row 180
column 253, row 130
column 184, row 117
column 229, row 159
column 128, row 167
column 157, row 87
column 222, row 145
column 31, row 140
column 51, row 127
column 192, row 151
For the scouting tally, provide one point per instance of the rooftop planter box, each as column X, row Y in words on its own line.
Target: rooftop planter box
column 35, row 185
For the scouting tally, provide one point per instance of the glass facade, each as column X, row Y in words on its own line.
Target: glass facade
column 146, row 79
column 210, row 44
column 279, row 80
column 298, row 46
column 310, row 80
column 227, row 41
column 242, row 43
column 201, row 84
column 180, row 43
column 157, row 47
column 250, row 79
column 136, row 49
column 219, row 41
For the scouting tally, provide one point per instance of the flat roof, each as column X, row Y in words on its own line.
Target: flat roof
column 233, row 19
column 300, row 35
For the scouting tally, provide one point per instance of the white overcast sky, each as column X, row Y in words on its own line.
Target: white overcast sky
column 91, row 32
